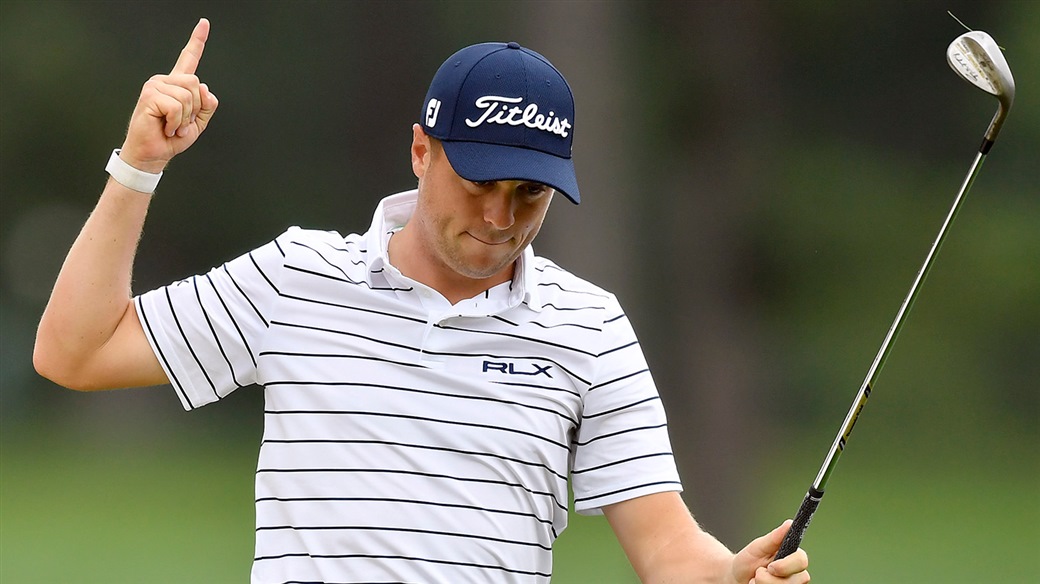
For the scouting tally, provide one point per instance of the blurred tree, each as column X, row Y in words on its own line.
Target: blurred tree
column 710, row 86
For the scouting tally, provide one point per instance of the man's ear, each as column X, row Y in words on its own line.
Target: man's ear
column 421, row 151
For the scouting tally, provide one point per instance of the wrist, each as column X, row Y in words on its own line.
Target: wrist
column 130, row 176
column 149, row 165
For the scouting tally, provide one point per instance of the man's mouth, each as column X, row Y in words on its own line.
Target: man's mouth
column 490, row 240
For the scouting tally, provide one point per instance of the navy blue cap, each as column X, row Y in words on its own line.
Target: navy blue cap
column 503, row 112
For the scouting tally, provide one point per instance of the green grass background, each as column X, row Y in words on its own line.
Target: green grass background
column 111, row 511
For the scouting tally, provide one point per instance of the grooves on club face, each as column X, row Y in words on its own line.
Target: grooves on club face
column 977, row 58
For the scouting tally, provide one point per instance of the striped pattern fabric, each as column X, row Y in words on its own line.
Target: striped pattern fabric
column 405, row 439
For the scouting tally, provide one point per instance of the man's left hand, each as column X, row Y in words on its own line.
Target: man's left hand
column 755, row 564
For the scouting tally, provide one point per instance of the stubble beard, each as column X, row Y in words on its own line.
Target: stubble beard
column 454, row 255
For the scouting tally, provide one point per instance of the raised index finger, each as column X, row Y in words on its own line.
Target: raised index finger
column 191, row 54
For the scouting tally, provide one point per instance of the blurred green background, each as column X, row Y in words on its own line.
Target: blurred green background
column 761, row 181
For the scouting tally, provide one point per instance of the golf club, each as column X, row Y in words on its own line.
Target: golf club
column 977, row 59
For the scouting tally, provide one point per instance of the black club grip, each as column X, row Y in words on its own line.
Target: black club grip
column 801, row 522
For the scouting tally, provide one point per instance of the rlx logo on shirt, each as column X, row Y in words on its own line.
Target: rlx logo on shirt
column 513, row 369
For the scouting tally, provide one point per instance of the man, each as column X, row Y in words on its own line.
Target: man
column 431, row 384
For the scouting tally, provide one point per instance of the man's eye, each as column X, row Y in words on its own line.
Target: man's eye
column 483, row 183
column 535, row 189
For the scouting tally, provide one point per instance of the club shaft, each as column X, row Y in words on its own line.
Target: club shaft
column 879, row 361
column 815, row 492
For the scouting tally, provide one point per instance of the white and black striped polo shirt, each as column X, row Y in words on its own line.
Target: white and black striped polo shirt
column 407, row 440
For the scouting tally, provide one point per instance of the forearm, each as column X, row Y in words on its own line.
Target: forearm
column 665, row 544
column 690, row 556
column 92, row 292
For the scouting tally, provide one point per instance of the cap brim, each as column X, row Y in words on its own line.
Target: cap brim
column 478, row 161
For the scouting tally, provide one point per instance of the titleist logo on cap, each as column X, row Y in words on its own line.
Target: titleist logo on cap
column 517, row 116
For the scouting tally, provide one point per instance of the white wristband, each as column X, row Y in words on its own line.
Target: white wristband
column 130, row 177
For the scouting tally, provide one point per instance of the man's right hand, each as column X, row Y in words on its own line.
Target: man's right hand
column 172, row 111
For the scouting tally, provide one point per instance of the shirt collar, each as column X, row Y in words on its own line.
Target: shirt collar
column 394, row 211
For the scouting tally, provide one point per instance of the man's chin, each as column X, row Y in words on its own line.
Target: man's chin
column 484, row 268
column 476, row 273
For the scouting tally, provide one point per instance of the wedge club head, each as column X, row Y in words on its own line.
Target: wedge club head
column 977, row 58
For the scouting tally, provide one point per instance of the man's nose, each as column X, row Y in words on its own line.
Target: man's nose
column 499, row 206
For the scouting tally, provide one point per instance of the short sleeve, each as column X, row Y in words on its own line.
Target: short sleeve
column 622, row 450
column 206, row 331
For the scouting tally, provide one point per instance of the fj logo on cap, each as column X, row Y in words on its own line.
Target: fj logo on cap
column 432, row 110
column 516, row 116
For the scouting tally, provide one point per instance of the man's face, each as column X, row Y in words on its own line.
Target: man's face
column 476, row 230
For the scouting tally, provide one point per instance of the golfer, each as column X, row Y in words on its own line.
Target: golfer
column 431, row 386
